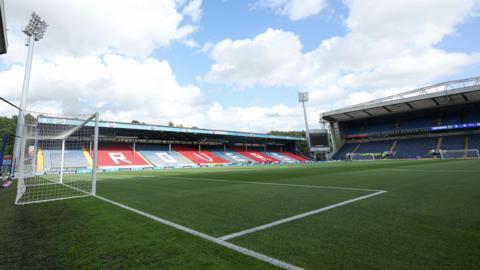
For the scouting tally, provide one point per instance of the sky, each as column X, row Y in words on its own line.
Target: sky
column 234, row 64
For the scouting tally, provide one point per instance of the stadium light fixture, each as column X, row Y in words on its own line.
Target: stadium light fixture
column 36, row 27
column 303, row 97
column 34, row 30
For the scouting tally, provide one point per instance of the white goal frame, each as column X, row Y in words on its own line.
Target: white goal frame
column 459, row 153
column 40, row 185
column 364, row 156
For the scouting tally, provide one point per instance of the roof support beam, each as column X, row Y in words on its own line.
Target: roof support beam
column 465, row 97
column 435, row 101
column 409, row 105
column 349, row 115
column 387, row 109
column 365, row 111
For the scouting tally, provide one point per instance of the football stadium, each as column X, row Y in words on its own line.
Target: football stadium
column 390, row 183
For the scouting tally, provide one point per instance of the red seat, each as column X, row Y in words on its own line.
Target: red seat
column 119, row 155
column 254, row 155
column 295, row 156
column 199, row 157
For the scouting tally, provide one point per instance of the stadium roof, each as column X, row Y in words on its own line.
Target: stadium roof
column 434, row 96
column 3, row 29
column 159, row 128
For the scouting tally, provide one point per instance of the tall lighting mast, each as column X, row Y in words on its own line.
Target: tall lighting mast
column 34, row 30
column 303, row 97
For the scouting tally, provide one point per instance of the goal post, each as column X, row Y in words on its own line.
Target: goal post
column 459, row 153
column 58, row 157
column 360, row 156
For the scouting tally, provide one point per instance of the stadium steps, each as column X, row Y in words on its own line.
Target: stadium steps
column 466, row 147
column 40, row 161
column 356, row 148
column 141, row 156
column 394, row 144
column 87, row 156
column 439, row 142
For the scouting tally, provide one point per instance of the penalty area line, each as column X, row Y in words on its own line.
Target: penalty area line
column 285, row 220
column 264, row 183
column 207, row 237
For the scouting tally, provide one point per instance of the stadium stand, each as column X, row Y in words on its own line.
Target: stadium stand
column 160, row 156
column 281, row 157
column 255, row 155
column 228, row 155
column 293, row 155
column 347, row 148
column 199, row 157
column 135, row 146
column 120, row 155
column 375, row 147
column 417, row 147
column 3, row 30
column 453, row 142
column 74, row 159
column 474, row 141
column 414, row 124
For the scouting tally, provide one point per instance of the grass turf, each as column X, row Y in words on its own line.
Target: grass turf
column 428, row 219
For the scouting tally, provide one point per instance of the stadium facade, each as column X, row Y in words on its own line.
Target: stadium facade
column 422, row 123
column 3, row 29
column 129, row 146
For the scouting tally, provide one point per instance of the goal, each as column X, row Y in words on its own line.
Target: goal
column 360, row 156
column 459, row 153
column 58, row 157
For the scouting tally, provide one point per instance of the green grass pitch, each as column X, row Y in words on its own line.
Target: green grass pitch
column 429, row 218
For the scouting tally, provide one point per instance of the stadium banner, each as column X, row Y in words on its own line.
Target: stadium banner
column 457, row 126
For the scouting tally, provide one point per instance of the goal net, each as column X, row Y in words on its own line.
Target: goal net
column 360, row 156
column 58, row 157
column 459, row 153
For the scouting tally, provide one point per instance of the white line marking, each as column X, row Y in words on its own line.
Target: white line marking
column 427, row 170
column 234, row 247
column 263, row 183
column 51, row 200
column 231, row 246
column 285, row 220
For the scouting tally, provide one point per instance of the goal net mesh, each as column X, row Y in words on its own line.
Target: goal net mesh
column 361, row 156
column 57, row 157
column 459, row 153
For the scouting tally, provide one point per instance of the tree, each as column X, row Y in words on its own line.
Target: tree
column 301, row 146
column 8, row 125
column 135, row 122
column 171, row 124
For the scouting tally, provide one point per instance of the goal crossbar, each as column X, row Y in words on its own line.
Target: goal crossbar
column 459, row 153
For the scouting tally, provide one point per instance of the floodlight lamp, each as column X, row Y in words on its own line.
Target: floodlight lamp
column 302, row 96
column 36, row 27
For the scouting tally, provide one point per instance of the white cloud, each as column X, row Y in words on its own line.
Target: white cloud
column 125, row 89
column 194, row 10
column 191, row 43
column 121, row 88
column 93, row 59
column 254, row 118
column 128, row 27
column 207, row 46
column 294, row 9
column 389, row 46
column 268, row 60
